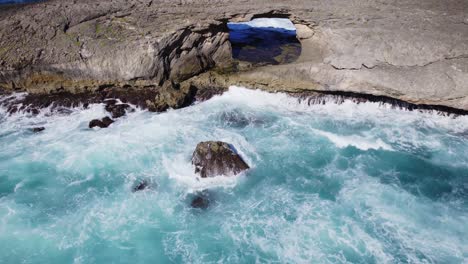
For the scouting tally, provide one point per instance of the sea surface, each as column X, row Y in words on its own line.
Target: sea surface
column 333, row 183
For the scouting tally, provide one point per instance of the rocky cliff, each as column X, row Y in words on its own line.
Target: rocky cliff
column 412, row 50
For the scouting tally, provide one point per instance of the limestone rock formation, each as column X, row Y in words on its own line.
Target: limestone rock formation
column 414, row 50
column 174, row 96
column 214, row 158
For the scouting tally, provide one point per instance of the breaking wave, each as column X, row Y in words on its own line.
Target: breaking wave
column 333, row 183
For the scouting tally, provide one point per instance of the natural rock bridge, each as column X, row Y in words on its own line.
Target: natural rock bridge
column 413, row 50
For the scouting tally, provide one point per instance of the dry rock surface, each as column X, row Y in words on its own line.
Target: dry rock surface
column 413, row 50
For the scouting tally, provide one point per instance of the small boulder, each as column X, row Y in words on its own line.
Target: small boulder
column 116, row 110
column 201, row 200
column 37, row 129
column 143, row 185
column 213, row 158
column 103, row 123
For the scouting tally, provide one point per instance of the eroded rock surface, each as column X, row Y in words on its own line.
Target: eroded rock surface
column 415, row 50
column 215, row 158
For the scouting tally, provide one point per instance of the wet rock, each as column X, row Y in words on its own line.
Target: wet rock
column 103, row 123
column 62, row 102
column 174, row 95
column 116, row 110
column 37, row 129
column 34, row 111
column 207, row 92
column 213, row 158
column 139, row 97
column 201, row 200
column 12, row 109
column 143, row 185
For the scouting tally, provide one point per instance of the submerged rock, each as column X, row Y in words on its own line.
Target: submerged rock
column 234, row 119
column 143, row 185
column 238, row 119
column 213, row 158
column 103, row 123
column 37, row 129
column 201, row 200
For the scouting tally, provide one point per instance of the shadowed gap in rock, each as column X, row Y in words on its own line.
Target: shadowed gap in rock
column 264, row 41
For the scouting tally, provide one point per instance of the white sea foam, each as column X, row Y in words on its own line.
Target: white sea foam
column 78, row 182
column 277, row 215
column 359, row 142
column 181, row 170
column 271, row 22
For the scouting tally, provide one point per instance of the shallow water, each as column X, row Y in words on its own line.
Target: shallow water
column 349, row 183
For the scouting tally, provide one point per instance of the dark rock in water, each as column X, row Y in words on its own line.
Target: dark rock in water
column 95, row 123
column 34, row 111
column 117, row 110
column 201, row 200
column 37, row 129
column 213, row 158
column 12, row 109
column 103, row 123
column 142, row 97
column 207, row 92
column 143, row 185
column 110, row 102
column 235, row 119
column 63, row 110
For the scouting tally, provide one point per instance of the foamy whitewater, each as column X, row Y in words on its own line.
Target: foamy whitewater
column 348, row 183
column 283, row 23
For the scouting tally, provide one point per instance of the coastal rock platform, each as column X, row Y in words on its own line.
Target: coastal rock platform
column 414, row 51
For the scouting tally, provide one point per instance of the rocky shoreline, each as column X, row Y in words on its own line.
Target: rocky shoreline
column 151, row 99
column 412, row 54
column 147, row 99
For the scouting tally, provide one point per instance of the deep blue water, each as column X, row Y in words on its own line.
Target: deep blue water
column 349, row 183
column 272, row 45
column 18, row 1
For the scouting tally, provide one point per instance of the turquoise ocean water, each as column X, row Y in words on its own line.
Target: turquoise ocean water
column 348, row 183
